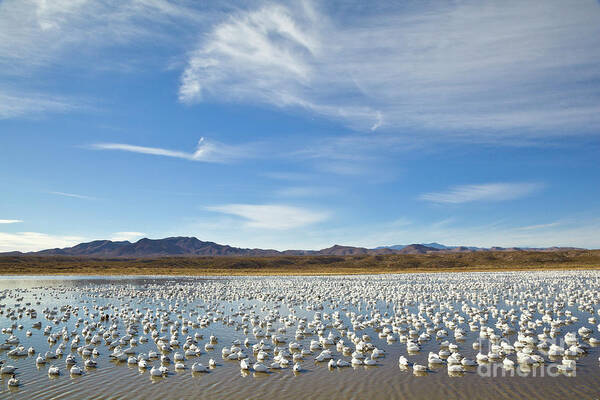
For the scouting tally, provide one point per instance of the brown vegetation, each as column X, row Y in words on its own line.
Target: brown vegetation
column 306, row 265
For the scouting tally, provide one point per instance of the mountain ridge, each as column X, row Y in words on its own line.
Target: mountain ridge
column 183, row 246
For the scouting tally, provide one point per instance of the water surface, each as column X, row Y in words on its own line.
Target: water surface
column 372, row 302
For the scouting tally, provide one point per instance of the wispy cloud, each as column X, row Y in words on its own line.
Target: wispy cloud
column 205, row 151
column 466, row 69
column 18, row 103
column 355, row 155
column 575, row 233
column 37, row 35
column 484, row 192
column 73, row 195
column 539, row 226
column 272, row 216
column 34, row 33
column 10, row 221
column 33, row 241
column 266, row 55
column 289, row 176
column 307, row 191
column 129, row 236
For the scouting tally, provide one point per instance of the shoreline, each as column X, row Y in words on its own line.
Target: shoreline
column 303, row 265
column 254, row 272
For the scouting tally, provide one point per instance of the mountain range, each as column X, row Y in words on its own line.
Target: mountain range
column 433, row 245
column 193, row 247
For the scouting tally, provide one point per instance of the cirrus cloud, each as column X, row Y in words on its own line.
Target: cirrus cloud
column 205, row 151
column 271, row 216
column 73, row 195
column 453, row 68
column 128, row 236
column 484, row 192
column 34, row 241
column 36, row 35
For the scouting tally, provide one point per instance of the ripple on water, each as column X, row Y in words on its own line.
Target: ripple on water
column 316, row 381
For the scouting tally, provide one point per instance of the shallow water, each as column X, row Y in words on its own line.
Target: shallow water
column 228, row 299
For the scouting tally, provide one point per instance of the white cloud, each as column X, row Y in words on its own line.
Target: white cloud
column 484, row 192
column 73, row 195
column 265, row 55
column 36, row 35
column 268, row 44
column 129, row 236
column 455, row 68
column 10, row 221
column 289, row 176
column 576, row 233
column 271, row 216
column 539, row 226
column 306, row 191
column 34, row 241
column 15, row 104
column 205, row 151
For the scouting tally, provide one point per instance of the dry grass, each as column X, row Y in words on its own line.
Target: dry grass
column 302, row 265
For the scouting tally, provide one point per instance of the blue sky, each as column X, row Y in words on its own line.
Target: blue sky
column 301, row 124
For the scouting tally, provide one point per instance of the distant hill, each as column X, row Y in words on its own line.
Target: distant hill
column 440, row 247
column 430, row 246
column 172, row 246
column 417, row 249
column 193, row 247
column 433, row 245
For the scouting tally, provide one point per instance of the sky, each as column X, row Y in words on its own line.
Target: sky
column 300, row 125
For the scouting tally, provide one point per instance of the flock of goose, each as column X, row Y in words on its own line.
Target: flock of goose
column 456, row 322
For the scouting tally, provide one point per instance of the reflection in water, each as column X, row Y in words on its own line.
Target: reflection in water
column 462, row 318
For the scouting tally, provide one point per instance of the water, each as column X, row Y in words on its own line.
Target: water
column 377, row 298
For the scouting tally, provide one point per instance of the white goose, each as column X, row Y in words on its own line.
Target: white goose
column 13, row 382
column 198, row 367
column 75, row 370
